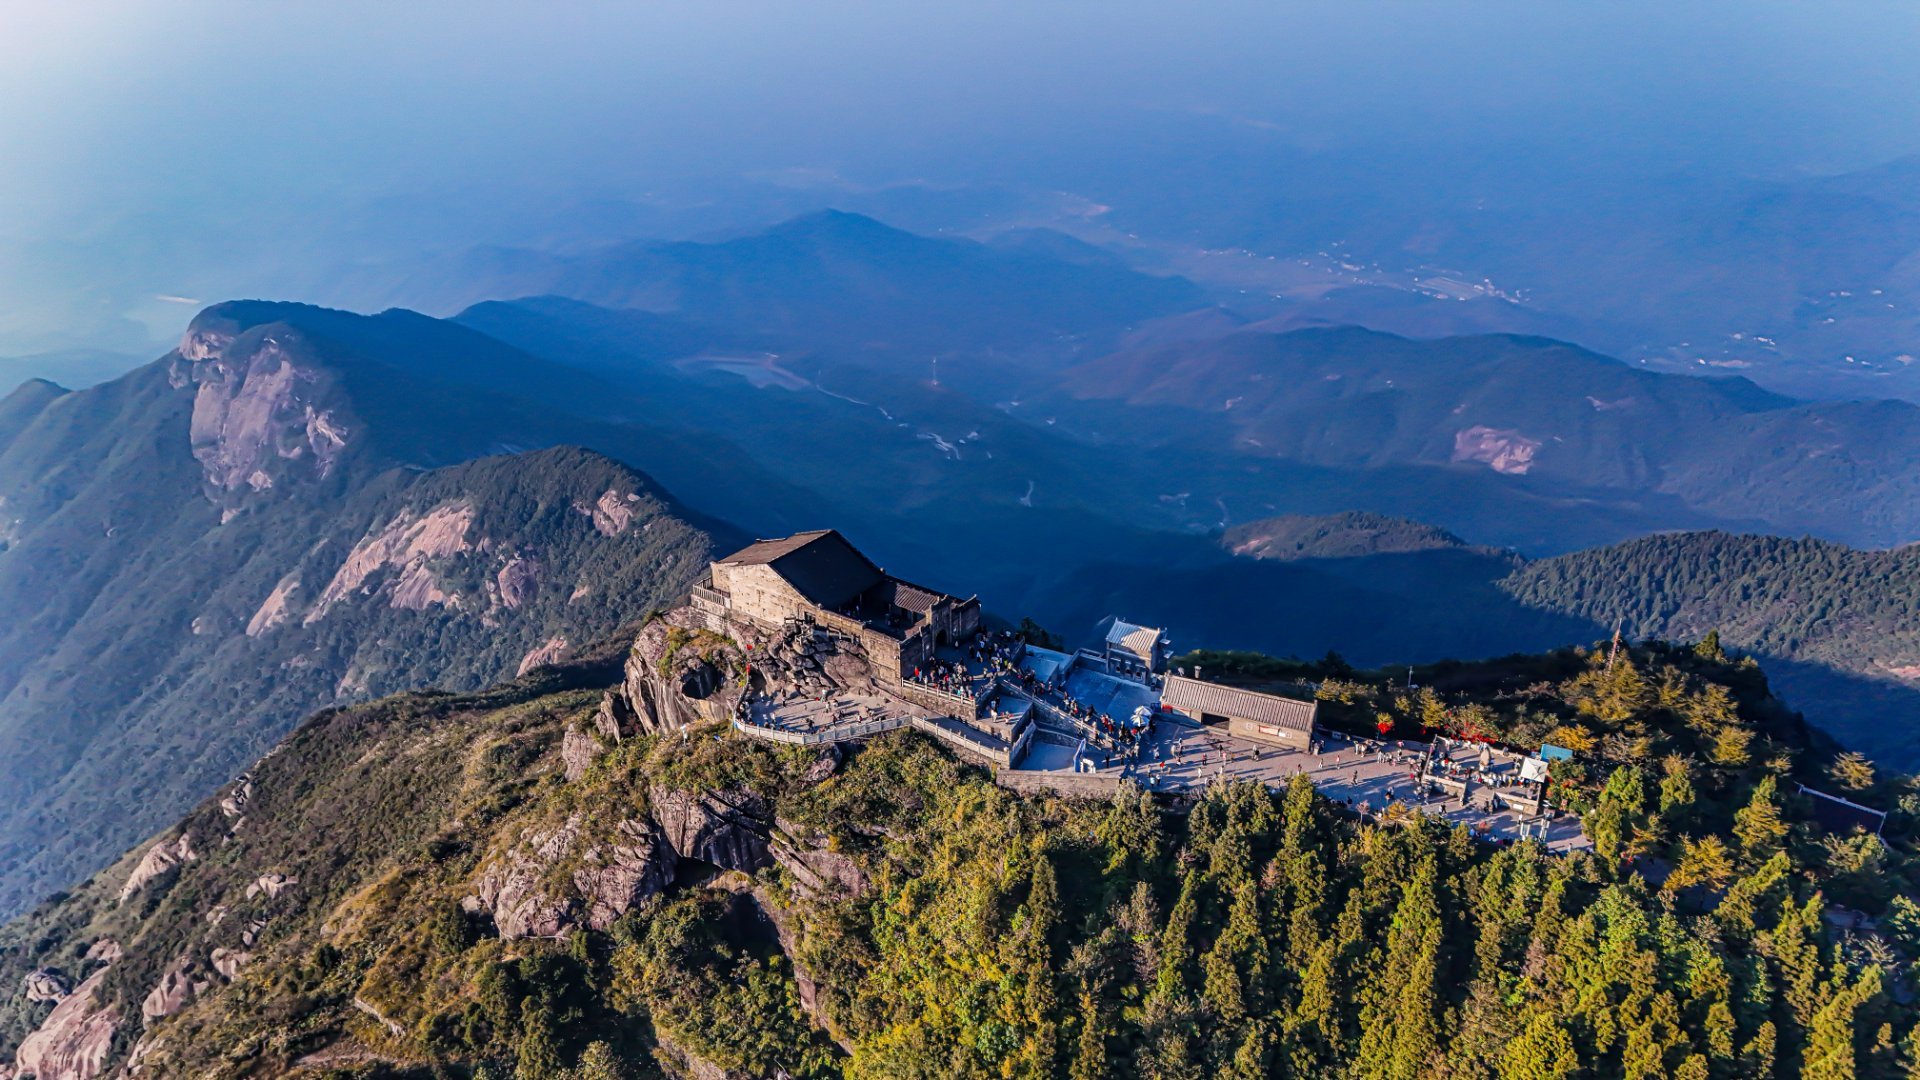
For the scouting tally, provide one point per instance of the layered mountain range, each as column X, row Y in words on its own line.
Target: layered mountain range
column 301, row 507
column 209, row 547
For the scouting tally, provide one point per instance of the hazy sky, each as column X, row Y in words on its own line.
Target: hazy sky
column 165, row 149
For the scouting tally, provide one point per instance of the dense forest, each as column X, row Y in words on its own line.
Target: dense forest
column 1352, row 534
column 1833, row 623
column 1804, row 599
column 956, row 929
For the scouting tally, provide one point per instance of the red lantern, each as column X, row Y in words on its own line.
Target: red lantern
column 1384, row 725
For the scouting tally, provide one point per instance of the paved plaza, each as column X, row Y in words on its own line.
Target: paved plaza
column 1468, row 783
column 806, row 714
column 1178, row 757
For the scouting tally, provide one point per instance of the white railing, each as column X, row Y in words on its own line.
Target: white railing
column 837, row 734
column 1052, row 712
column 972, row 742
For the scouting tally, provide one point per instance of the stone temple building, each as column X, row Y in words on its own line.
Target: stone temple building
column 819, row 577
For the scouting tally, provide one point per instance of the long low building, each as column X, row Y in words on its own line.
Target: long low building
column 1248, row 714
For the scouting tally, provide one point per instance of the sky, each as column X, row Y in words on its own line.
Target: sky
column 155, row 156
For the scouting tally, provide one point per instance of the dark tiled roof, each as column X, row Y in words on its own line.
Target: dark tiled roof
column 825, row 569
column 1192, row 695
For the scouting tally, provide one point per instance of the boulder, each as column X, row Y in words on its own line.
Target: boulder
column 177, row 988
column 74, row 1041
column 228, row 962
column 271, row 885
column 106, row 950
column 45, row 985
column 234, row 803
column 159, row 859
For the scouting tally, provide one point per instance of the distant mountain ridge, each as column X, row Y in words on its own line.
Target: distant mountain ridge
column 1820, row 605
column 1338, row 536
column 1541, row 413
column 207, row 548
column 841, row 280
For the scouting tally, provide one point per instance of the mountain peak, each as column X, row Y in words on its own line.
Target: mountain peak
column 835, row 223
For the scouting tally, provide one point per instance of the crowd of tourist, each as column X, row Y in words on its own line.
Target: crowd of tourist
column 949, row 676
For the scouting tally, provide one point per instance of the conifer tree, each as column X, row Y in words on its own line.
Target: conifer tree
column 1704, row 861
column 1852, row 771
column 1400, row 1030
column 1831, row 1053
column 1090, row 1044
column 599, row 1062
column 1759, row 825
column 1176, row 943
column 1543, row 1051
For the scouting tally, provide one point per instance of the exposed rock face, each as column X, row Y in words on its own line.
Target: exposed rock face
column 393, row 1027
column 45, row 985
column 662, row 694
column 1502, row 450
column 611, row 513
column 159, row 859
column 514, row 889
column 615, row 717
column 263, row 413
column 276, row 608
column 728, row 829
column 549, row 651
column 404, row 545
column 804, row 982
column 525, row 900
column 684, row 1064
column 577, row 751
column 106, row 950
column 635, row 867
column 178, row 986
column 74, row 1041
column 818, row 872
column 517, row 580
